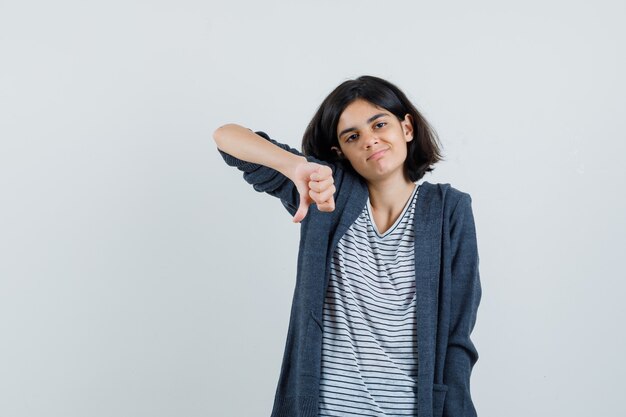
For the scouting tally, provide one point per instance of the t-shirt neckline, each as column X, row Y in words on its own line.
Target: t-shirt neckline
column 398, row 220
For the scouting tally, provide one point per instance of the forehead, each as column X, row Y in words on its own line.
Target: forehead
column 358, row 112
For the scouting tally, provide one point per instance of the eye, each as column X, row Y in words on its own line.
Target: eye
column 380, row 124
column 351, row 137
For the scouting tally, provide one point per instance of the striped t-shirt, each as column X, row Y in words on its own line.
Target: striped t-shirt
column 369, row 351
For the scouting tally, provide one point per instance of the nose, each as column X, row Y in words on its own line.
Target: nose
column 370, row 139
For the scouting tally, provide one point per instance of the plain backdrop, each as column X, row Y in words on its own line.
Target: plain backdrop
column 141, row 276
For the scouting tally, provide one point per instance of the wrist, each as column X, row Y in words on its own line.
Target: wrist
column 290, row 164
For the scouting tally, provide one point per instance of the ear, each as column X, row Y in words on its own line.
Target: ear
column 407, row 127
column 337, row 151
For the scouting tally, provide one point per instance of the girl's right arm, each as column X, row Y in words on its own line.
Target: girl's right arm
column 314, row 182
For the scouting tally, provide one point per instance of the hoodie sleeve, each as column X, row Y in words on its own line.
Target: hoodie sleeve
column 461, row 353
column 268, row 180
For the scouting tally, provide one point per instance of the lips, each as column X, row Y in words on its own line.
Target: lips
column 376, row 155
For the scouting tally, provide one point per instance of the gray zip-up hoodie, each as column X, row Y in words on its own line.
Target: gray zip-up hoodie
column 448, row 289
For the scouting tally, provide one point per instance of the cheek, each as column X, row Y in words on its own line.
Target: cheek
column 403, row 154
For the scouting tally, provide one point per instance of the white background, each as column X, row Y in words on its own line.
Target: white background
column 141, row 276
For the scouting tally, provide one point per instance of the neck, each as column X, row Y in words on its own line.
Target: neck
column 390, row 195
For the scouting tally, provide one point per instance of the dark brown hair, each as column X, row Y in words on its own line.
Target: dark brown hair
column 321, row 134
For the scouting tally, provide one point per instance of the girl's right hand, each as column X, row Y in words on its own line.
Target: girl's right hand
column 316, row 185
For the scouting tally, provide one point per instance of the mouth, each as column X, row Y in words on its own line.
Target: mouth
column 377, row 155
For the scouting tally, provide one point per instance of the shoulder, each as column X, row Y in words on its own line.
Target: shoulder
column 446, row 201
column 445, row 193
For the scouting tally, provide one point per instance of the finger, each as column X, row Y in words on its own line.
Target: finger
column 303, row 209
column 321, row 173
column 321, row 185
column 320, row 197
column 327, row 205
column 325, row 171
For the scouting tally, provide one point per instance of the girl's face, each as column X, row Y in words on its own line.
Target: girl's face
column 374, row 140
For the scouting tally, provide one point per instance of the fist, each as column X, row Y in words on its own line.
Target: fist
column 315, row 185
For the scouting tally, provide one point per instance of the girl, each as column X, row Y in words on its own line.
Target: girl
column 387, row 286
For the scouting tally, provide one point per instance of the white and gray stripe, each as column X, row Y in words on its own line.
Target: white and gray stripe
column 369, row 353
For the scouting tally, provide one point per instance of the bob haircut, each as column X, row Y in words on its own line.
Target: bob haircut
column 321, row 133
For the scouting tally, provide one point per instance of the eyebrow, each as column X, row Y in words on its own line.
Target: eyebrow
column 370, row 120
